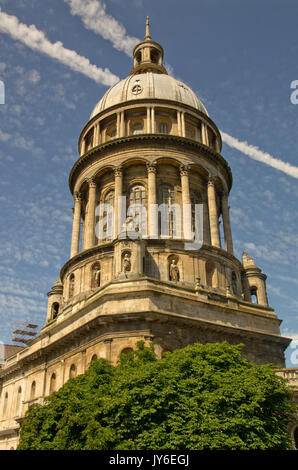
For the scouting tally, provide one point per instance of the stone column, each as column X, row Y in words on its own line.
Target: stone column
column 118, row 126
column 153, row 120
column 96, row 134
column 148, row 120
column 122, row 130
column 117, row 204
column 213, row 218
column 90, row 218
column 179, row 122
column 99, row 137
column 83, row 146
column 227, row 224
column 204, row 136
column 152, row 201
column 75, row 239
column 186, row 202
column 183, row 124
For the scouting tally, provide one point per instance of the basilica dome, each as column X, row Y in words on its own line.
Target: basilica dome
column 149, row 80
column 149, row 85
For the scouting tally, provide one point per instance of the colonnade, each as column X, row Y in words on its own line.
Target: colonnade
column 149, row 128
column 90, row 217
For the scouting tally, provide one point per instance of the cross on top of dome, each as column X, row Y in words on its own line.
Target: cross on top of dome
column 148, row 55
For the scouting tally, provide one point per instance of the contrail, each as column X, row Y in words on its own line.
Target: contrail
column 36, row 39
column 94, row 16
column 256, row 154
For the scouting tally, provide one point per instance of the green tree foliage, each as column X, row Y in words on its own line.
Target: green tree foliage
column 200, row 397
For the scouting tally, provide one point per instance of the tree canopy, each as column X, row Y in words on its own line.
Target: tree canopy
column 202, row 397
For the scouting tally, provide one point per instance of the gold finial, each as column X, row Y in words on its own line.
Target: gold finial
column 147, row 29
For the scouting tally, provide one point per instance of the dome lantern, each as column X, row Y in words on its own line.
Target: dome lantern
column 148, row 55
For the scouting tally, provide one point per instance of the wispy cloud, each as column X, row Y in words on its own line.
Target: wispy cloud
column 94, row 16
column 36, row 40
column 4, row 137
column 256, row 154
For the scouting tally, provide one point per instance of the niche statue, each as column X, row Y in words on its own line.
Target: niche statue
column 174, row 271
column 126, row 263
column 96, row 277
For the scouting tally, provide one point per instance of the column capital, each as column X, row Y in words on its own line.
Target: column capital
column 210, row 180
column 118, row 171
column 151, row 167
column 92, row 183
column 77, row 196
column 184, row 170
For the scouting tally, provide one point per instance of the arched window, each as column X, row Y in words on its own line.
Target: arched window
column 195, row 198
column 163, row 128
column 137, row 210
column 137, row 128
column 106, row 222
column 94, row 358
column 254, row 295
column 72, row 371
column 167, row 214
column 295, row 435
column 18, row 402
column 53, row 383
column 210, row 274
column 71, row 286
column 96, row 276
column 55, row 310
column 126, row 351
column 33, row 390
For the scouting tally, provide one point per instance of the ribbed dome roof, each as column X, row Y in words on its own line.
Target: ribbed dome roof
column 149, row 86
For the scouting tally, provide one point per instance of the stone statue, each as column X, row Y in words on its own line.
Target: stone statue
column 234, row 284
column 126, row 263
column 174, row 271
column 96, row 277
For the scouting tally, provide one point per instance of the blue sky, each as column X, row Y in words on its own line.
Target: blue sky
column 239, row 56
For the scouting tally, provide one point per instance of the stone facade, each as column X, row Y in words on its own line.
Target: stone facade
column 150, row 140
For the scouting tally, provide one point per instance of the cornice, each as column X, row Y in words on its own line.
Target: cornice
column 96, row 152
column 83, row 255
column 160, row 316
